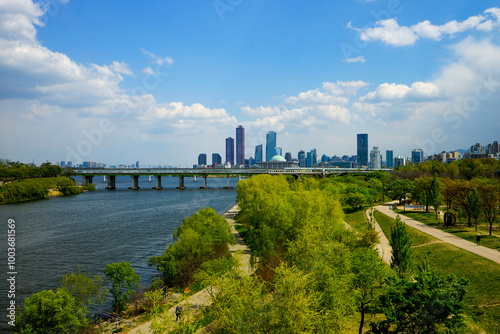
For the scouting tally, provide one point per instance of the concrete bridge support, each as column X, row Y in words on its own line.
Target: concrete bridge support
column 158, row 182
column 181, row 182
column 227, row 186
column 135, row 182
column 205, row 182
column 88, row 179
column 111, row 182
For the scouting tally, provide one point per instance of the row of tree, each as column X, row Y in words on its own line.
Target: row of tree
column 10, row 170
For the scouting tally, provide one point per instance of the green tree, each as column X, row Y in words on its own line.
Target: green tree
column 85, row 288
column 474, row 200
column 47, row 312
column 369, row 274
column 489, row 202
column 435, row 194
column 422, row 304
column 401, row 248
column 124, row 281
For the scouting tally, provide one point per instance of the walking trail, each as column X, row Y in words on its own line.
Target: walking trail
column 485, row 252
column 202, row 298
column 383, row 247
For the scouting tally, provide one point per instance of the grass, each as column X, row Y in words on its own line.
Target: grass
column 461, row 231
column 483, row 293
column 356, row 219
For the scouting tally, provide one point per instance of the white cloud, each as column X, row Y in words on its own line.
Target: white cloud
column 148, row 70
column 260, row 111
column 167, row 61
column 392, row 91
column 121, row 68
column 391, row 33
column 359, row 59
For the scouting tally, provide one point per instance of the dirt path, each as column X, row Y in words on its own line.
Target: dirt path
column 485, row 252
column 202, row 298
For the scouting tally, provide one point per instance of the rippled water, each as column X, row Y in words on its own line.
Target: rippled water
column 96, row 228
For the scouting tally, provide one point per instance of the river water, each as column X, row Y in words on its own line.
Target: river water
column 93, row 229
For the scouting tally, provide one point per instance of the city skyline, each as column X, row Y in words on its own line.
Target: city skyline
column 83, row 81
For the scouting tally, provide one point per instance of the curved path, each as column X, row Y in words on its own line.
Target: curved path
column 383, row 247
column 202, row 298
column 485, row 252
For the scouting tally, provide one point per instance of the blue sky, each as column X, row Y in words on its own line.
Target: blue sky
column 162, row 81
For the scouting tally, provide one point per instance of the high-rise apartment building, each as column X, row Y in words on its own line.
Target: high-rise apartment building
column 417, row 156
column 270, row 145
column 362, row 149
column 375, row 158
column 389, row 159
column 230, row 150
column 240, row 145
column 258, row 153
column 202, row 159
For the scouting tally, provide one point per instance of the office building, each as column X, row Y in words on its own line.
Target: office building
column 202, row 159
column 240, row 145
column 288, row 156
column 309, row 161
column 216, row 159
column 258, row 153
column 389, row 159
column 417, row 156
column 302, row 159
column 278, row 150
column 230, row 150
column 270, row 145
column 399, row 161
column 375, row 158
column 362, row 150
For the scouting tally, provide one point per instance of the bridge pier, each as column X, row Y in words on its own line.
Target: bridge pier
column 204, row 182
column 239, row 177
column 158, row 182
column 88, row 179
column 227, row 186
column 181, row 182
column 111, row 182
column 135, row 182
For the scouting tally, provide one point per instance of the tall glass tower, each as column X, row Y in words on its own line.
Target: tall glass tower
column 230, row 150
column 258, row 153
column 363, row 149
column 240, row 145
column 270, row 145
column 389, row 159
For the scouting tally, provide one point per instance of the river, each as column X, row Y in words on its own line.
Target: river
column 93, row 229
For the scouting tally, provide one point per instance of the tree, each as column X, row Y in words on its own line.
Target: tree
column 124, row 281
column 47, row 312
column 369, row 273
column 422, row 304
column 489, row 202
column 85, row 288
column 401, row 248
column 474, row 200
column 400, row 188
column 435, row 194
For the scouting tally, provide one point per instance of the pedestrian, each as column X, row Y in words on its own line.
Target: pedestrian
column 478, row 239
column 178, row 311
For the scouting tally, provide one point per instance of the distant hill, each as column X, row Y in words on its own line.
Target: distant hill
column 462, row 151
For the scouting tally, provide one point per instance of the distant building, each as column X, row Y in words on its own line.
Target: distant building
column 137, row 164
column 341, row 164
column 315, row 157
column 277, row 162
column 362, row 150
column 325, row 158
column 202, row 159
column 278, row 150
column 251, row 161
column 302, row 159
column 258, row 153
column 399, row 161
column 230, row 150
column 477, row 149
column 389, row 159
column 375, row 158
column 240, row 145
column 270, row 145
column 453, row 156
column 417, row 156
column 288, row 156
column 216, row 159
column 309, row 160
column 493, row 148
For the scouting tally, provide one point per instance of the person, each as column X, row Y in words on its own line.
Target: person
column 178, row 311
column 478, row 239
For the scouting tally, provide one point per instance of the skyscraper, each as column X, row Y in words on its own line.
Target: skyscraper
column 202, row 159
column 302, row 159
column 279, row 150
column 389, row 159
column 258, row 153
column 216, row 159
column 240, row 145
column 417, row 156
column 309, row 161
column 375, row 158
column 288, row 156
column 270, row 145
column 230, row 150
column 362, row 149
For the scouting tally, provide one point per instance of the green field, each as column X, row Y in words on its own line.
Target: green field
column 483, row 293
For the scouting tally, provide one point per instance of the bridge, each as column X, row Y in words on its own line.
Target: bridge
column 181, row 173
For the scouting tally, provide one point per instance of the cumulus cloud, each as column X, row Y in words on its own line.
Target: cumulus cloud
column 260, row 111
column 121, row 67
column 390, row 32
column 392, row 91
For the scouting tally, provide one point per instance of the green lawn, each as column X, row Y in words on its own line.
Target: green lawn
column 483, row 293
column 461, row 231
column 356, row 219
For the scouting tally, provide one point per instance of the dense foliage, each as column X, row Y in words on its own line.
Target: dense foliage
column 10, row 170
column 124, row 282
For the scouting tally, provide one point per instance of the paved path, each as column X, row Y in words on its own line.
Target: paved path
column 202, row 298
column 485, row 252
column 383, row 247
